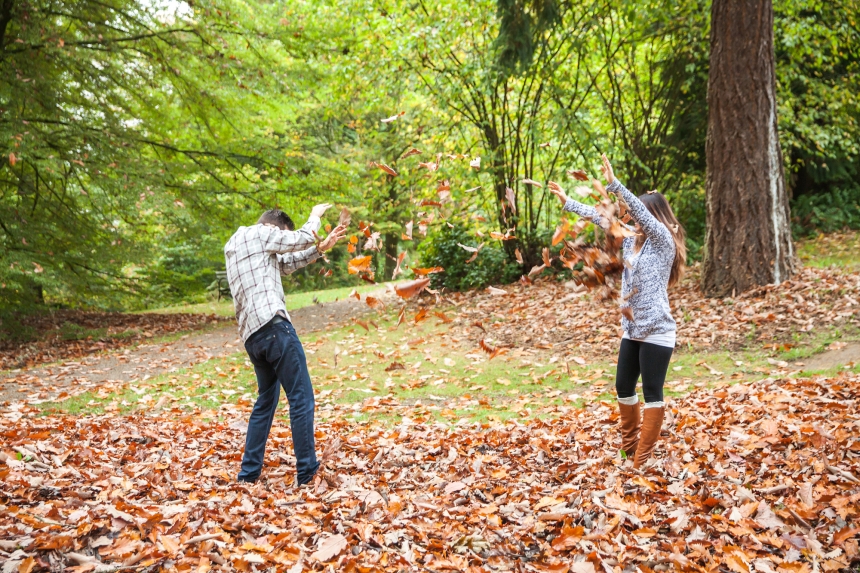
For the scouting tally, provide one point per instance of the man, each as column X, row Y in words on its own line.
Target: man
column 257, row 256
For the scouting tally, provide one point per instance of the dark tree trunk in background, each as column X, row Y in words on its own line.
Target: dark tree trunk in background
column 748, row 239
column 390, row 240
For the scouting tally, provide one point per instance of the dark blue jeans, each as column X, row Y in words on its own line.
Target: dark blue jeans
column 278, row 356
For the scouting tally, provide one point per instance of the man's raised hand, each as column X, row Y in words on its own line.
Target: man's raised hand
column 331, row 240
column 556, row 190
column 320, row 210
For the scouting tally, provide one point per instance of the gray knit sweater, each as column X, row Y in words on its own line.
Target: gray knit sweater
column 649, row 275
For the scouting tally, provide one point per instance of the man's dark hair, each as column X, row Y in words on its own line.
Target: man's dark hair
column 277, row 218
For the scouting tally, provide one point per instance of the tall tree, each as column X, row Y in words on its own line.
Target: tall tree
column 748, row 239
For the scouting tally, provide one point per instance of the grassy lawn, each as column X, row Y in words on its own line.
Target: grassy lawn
column 424, row 372
column 224, row 307
column 841, row 250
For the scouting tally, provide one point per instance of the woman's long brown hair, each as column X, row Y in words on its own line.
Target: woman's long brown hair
column 659, row 207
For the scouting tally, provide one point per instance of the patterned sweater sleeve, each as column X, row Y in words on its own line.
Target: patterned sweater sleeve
column 655, row 230
column 583, row 210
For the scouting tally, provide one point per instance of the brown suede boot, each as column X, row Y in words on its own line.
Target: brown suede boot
column 652, row 423
column 629, row 429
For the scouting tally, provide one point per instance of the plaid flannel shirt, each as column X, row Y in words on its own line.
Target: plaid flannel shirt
column 256, row 257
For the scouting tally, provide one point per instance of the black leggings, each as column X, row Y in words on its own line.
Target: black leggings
column 651, row 360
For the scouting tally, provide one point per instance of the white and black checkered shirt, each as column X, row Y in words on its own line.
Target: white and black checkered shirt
column 257, row 256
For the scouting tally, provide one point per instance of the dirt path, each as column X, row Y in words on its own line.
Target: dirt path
column 48, row 383
column 850, row 353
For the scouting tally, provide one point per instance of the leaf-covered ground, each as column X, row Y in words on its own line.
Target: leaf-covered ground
column 748, row 477
column 35, row 339
column 555, row 315
column 478, row 434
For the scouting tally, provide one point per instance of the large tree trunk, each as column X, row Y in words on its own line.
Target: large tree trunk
column 748, row 239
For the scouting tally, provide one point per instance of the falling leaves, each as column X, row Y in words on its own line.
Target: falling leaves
column 532, row 182
column 384, row 167
column 578, row 174
column 344, row 218
column 410, row 153
column 475, row 163
column 492, row 351
column 359, row 264
column 473, row 250
column 411, row 288
column 393, row 117
column 407, row 236
column 398, row 267
column 627, row 313
column 426, row 271
column 374, row 302
column 511, row 198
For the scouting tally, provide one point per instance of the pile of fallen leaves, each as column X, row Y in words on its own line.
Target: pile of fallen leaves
column 759, row 477
column 551, row 315
column 57, row 335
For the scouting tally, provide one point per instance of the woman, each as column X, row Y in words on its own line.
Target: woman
column 654, row 261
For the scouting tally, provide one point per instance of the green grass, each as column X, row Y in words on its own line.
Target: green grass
column 841, row 250
column 444, row 377
column 294, row 301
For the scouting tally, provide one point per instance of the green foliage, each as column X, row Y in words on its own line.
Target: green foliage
column 832, row 211
column 136, row 136
column 491, row 267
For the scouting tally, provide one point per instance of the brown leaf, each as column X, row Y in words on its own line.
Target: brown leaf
column 512, row 199
column 344, row 218
column 410, row 153
column 411, row 288
column 578, row 174
column 385, row 168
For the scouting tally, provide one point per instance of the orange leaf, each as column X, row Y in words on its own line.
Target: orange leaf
column 26, row 565
column 359, row 264
column 411, row 288
column 374, row 302
column 840, row 536
column 427, row 271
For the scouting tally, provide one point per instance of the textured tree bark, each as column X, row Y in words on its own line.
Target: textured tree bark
column 748, row 238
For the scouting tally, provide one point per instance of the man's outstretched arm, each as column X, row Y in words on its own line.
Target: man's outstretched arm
column 291, row 262
column 277, row 241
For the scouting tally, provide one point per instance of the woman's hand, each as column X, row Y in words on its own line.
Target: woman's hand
column 556, row 190
column 607, row 170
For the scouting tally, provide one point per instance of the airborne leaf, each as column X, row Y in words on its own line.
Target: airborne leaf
column 411, row 288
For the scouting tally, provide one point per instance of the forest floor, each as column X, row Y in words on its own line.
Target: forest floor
column 479, row 431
